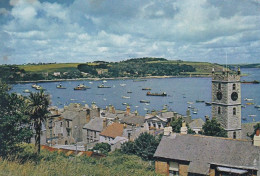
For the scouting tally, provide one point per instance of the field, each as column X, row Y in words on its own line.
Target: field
column 50, row 67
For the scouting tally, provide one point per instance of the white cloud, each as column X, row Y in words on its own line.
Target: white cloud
column 187, row 29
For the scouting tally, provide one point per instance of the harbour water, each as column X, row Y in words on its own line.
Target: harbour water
column 181, row 94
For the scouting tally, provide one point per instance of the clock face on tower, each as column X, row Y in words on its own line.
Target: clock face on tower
column 219, row 95
column 234, row 96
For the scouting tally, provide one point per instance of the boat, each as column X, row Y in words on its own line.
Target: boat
column 252, row 115
column 122, row 85
column 38, row 88
column 144, row 101
column 34, row 86
column 243, row 118
column 156, row 94
column 129, row 92
column 200, row 101
column 125, row 97
column 60, row 87
column 195, row 112
column 81, row 87
column 104, row 81
column 243, row 106
column 147, row 88
column 124, row 103
column 248, row 99
column 250, row 103
column 139, row 80
column 103, row 86
column 90, row 82
column 257, row 106
column 250, row 82
column 26, row 91
column 189, row 102
column 207, row 103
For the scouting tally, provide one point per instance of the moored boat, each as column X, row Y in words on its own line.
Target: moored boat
column 139, row 80
column 26, row 91
column 60, row 87
column 156, row 94
column 81, row 87
column 144, row 101
column 103, row 86
column 200, row 101
column 250, row 82
column 146, row 88
column 207, row 103
column 125, row 97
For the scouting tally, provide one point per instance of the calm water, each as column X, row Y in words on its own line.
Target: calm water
column 180, row 91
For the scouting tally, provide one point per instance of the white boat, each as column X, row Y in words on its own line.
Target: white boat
column 104, row 81
column 122, row 85
column 38, row 88
column 147, row 104
column 257, row 106
column 125, row 97
column 252, row 115
column 90, row 82
column 248, row 99
column 195, row 112
column 34, row 85
column 189, row 102
column 26, row 91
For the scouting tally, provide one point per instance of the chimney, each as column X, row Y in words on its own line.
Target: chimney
column 223, row 71
column 257, row 138
column 213, row 71
column 87, row 115
column 98, row 112
column 184, row 129
column 167, row 131
column 127, row 110
column 136, row 113
column 113, row 110
column 110, row 108
column 154, row 113
column 104, row 123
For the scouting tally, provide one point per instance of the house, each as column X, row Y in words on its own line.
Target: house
column 185, row 154
column 196, row 125
column 113, row 135
column 92, row 130
column 56, row 73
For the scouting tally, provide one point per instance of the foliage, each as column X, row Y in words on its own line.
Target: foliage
column 256, row 127
column 176, row 125
column 14, row 125
column 144, row 146
column 102, row 147
column 213, row 128
column 38, row 103
column 51, row 163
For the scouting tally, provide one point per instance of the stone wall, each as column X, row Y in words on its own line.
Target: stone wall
column 162, row 167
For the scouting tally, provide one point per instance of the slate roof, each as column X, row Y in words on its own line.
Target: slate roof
column 196, row 123
column 95, row 124
column 133, row 120
column 204, row 150
column 114, row 130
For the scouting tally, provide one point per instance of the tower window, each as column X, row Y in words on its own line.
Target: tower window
column 234, row 111
column 219, row 110
column 219, row 86
column 234, row 135
column 234, row 86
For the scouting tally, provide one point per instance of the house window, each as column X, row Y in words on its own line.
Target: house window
column 219, row 86
column 234, row 135
column 234, row 86
column 60, row 124
column 95, row 134
column 149, row 124
column 219, row 110
column 154, row 125
column 173, row 168
column 129, row 135
column 159, row 126
column 68, row 124
column 87, row 132
column 234, row 111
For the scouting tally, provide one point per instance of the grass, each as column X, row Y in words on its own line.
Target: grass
column 52, row 163
column 49, row 67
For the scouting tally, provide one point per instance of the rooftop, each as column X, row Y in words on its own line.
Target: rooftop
column 201, row 151
column 113, row 130
column 95, row 124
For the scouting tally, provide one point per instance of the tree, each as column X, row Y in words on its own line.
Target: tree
column 176, row 125
column 37, row 110
column 144, row 146
column 213, row 128
column 256, row 127
column 14, row 124
column 102, row 147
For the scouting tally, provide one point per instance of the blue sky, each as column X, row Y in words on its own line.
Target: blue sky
column 113, row 30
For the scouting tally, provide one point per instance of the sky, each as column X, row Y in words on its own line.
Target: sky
column 78, row 31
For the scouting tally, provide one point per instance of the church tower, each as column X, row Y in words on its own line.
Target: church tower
column 226, row 101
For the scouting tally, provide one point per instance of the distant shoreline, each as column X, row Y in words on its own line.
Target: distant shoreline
column 117, row 78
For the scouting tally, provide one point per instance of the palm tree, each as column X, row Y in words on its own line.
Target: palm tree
column 37, row 110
